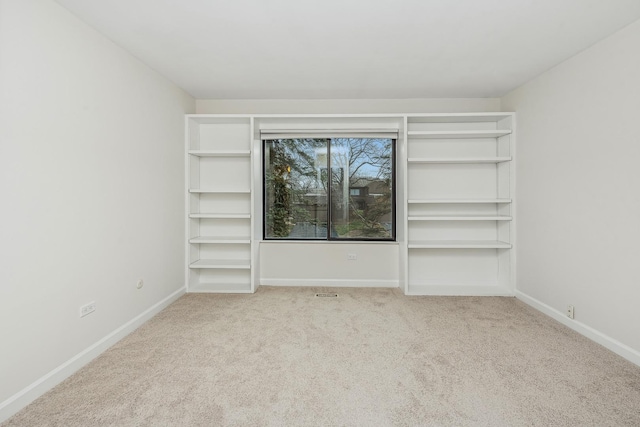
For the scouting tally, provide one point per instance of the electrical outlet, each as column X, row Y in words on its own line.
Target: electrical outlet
column 570, row 311
column 352, row 257
column 87, row 309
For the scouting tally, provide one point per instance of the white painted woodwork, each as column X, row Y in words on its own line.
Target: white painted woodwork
column 221, row 263
column 460, row 160
column 454, row 207
column 221, row 215
column 220, row 191
column 222, row 239
column 458, row 244
column 460, row 204
column 458, row 134
column 459, row 218
column 213, row 153
column 456, row 201
column 219, row 204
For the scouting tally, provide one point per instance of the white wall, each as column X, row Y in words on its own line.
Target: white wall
column 346, row 106
column 92, row 179
column 326, row 264
column 578, row 190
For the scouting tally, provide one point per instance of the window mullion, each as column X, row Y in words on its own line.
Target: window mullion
column 329, row 185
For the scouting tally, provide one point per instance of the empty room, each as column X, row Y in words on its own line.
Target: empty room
column 279, row 212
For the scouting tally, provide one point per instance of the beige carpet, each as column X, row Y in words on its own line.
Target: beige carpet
column 370, row 357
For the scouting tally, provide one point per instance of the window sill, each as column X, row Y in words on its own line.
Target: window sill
column 330, row 242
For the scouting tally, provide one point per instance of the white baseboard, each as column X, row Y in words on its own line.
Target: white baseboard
column 332, row 283
column 612, row 344
column 30, row 393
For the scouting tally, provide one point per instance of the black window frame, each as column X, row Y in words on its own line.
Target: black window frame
column 330, row 238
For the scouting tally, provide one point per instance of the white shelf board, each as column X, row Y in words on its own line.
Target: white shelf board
column 457, row 117
column 221, row 288
column 458, row 244
column 220, row 215
column 459, row 160
column 454, row 201
column 201, row 191
column 237, row 264
column 214, row 153
column 460, row 218
column 457, row 134
column 221, row 239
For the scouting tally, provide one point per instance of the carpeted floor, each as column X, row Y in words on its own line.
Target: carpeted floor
column 369, row 357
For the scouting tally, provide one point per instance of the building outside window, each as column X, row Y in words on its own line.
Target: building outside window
column 329, row 189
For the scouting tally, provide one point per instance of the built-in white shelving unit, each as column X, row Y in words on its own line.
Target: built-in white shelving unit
column 459, row 204
column 220, row 249
column 455, row 205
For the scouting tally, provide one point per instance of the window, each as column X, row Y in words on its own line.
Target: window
column 329, row 189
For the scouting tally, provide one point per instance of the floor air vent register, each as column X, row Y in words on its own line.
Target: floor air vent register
column 327, row 295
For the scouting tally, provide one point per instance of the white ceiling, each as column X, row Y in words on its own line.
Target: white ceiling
column 252, row 49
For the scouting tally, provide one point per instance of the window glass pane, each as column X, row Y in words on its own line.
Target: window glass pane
column 296, row 188
column 362, row 188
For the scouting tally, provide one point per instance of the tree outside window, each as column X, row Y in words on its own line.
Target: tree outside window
column 329, row 189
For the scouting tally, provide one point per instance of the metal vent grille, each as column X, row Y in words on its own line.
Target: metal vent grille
column 327, row 295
